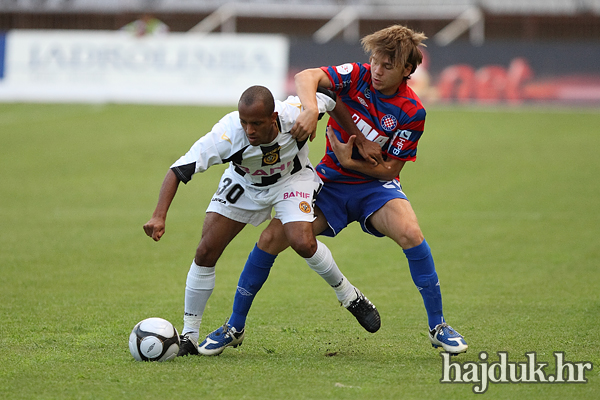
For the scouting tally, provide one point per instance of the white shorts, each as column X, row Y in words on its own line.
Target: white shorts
column 293, row 198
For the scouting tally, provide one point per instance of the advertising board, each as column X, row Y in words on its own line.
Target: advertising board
column 106, row 66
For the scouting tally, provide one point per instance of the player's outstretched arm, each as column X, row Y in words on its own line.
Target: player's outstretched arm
column 307, row 82
column 155, row 227
column 387, row 170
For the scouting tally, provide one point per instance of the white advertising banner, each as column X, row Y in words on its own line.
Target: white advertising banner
column 105, row 66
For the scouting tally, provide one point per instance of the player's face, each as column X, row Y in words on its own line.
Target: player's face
column 259, row 125
column 386, row 77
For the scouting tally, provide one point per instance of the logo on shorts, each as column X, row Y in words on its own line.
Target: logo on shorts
column 304, row 207
column 297, row 193
column 389, row 122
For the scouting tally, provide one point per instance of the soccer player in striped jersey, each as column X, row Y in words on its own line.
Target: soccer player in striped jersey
column 268, row 169
column 361, row 168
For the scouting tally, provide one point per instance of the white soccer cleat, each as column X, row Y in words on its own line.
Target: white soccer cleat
column 216, row 341
column 443, row 335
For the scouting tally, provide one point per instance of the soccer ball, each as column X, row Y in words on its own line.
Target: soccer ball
column 154, row 339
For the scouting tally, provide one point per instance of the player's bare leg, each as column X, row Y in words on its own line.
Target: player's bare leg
column 273, row 239
column 217, row 232
column 397, row 220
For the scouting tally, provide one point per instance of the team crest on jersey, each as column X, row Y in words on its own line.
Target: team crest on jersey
column 304, row 207
column 271, row 155
column 389, row 122
column 270, row 159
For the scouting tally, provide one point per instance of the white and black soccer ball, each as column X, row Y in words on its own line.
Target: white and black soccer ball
column 154, row 339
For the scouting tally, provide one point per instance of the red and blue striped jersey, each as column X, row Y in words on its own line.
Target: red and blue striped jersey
column 395, row 122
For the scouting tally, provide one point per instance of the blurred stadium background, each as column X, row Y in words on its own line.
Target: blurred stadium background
column 479, row 51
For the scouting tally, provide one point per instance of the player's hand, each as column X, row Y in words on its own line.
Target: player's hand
column 343, row 151
column 155, row 228
column 305, row 126
column 371, row 152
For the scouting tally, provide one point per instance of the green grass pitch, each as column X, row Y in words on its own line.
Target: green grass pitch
column 508, row 199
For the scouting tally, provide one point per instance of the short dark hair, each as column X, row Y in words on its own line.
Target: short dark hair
column 256, row 94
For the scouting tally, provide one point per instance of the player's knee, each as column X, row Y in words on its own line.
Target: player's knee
column 206, row 257
column 268, row 236
column 273, row 242
column 305, row 247
column 410, row 237
column 415, row 236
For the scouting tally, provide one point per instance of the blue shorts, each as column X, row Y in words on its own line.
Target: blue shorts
column 343, row 203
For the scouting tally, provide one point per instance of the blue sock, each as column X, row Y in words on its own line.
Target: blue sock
column 255, row 273
column 422, row 270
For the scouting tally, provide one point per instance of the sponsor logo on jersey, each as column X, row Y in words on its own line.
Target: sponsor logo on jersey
column 297, row 105
column 401, row 137
column 367, row 93
column 280, row 169
column 371, row 134
column 389, row 122
column 225, row 137
column 290, row 195
column 304, row 207
column 363, row 102
column 344, row 69
column 404, row 134
column 344, row 83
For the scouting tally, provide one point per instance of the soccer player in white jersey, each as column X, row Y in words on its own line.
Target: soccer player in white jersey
column 268, row 169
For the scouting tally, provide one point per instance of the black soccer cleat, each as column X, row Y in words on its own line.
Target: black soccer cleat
column 365, row 312
column 187, row 346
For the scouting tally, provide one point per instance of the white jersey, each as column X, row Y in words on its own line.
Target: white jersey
column 261, row 166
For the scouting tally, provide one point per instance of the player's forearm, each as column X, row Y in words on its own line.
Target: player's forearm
column 307, row 82
column 342, row 116
column 166, row 195
column 370, row 151
column 385, row 171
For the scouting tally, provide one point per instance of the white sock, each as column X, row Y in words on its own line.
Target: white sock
column 322, row 263
column 198, row 288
